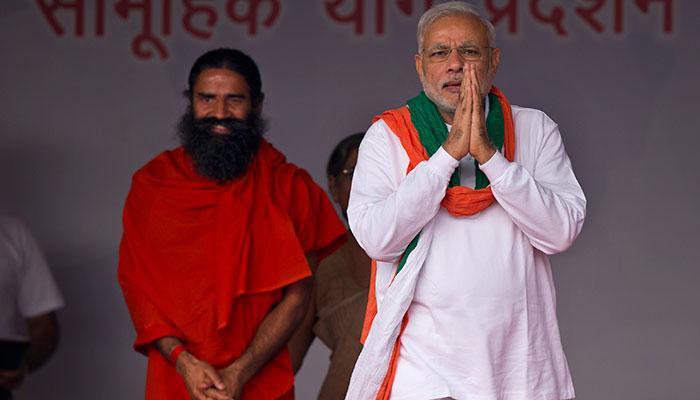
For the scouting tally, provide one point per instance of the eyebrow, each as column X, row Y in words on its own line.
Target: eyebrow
column 446, row 46
column 227, row 95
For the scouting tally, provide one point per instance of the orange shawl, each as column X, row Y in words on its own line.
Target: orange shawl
column 206, row 262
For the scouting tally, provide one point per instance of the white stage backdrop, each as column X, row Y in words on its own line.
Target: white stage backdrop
column 91, row 90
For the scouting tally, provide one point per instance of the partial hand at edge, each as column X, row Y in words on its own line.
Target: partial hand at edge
column 12, row 379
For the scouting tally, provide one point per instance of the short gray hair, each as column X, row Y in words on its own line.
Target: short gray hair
column 449, row 9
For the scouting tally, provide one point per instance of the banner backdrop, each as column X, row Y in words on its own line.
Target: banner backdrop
column 91, row 90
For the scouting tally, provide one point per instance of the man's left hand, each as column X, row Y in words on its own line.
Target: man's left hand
column 480, row 146
column 12, row 379
column 234, row 380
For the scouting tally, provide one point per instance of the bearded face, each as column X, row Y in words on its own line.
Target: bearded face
column 221, row 157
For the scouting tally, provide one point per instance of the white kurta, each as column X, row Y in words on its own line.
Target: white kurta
column 27, row 287
column 482, row 322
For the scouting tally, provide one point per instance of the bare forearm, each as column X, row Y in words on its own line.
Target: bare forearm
column 303, row 337
column 43, row 336
column 275, row 330
column 166, row 345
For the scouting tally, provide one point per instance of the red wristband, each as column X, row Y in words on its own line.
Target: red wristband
column 176, row 353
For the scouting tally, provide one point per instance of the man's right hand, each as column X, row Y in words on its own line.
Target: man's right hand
column 199, row 377
column 457, row 142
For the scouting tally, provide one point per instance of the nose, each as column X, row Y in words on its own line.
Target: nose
column 220, row 111
column 455, row 63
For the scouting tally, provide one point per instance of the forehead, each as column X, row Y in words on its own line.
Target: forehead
column 351, row 159
column 456, row 29
column 221, row 80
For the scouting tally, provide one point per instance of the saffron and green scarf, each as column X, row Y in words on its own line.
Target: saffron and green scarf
column 432, row 133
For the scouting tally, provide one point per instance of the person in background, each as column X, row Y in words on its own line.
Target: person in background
column 29, row 299
column 340, row 287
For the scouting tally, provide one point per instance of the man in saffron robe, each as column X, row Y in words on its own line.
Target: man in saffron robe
column 459, row 198
column 217, row 234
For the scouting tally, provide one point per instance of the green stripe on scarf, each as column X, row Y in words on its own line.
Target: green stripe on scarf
column 432, row 132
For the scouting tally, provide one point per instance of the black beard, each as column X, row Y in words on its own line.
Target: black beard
column 221, row 157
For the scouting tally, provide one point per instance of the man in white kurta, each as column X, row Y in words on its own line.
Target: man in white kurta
column 482, row 318
column 29, row 299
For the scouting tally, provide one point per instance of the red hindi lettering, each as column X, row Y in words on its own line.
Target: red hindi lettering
column 510, row 11
column 588, row 14
column 191, row 10
column 251, row 13
column 618, row 16
column 405, row 6
column 379, row 16
column 643, row 5
column 167, row 17
column 140, row 49
column 100, row 17
column 145, row 43
column 49, row 8
column 555, row 18
column 355, row 16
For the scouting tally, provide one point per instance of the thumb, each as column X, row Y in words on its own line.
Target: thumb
column 205, row 383
column 218, row 383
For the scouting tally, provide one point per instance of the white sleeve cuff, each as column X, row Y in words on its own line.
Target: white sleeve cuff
column 495, row 167
column 442, row 164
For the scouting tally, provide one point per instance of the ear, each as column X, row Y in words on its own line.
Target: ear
column 495, row 60
column 189, row 97
column 419, row 66
column 333, row 188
